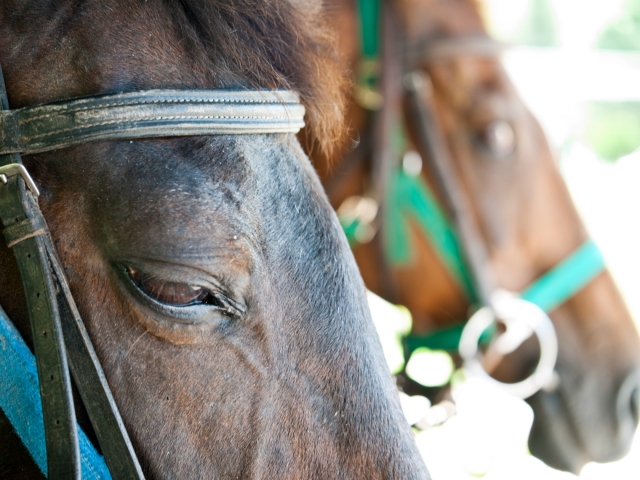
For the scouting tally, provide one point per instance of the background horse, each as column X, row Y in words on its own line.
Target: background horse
column 526, row 218
column 211, row 272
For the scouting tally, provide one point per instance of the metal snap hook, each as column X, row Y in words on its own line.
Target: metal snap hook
column 522, row 319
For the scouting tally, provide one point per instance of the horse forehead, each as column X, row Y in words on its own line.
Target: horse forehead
column 197, row 185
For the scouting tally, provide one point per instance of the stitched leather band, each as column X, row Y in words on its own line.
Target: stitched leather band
column 17, row 205
column 27, row 228
column 60, row 339
column 152, row 113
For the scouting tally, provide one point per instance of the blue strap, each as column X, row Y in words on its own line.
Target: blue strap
column 20, row 401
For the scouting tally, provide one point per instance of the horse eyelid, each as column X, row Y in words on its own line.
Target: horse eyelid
column 215, row 299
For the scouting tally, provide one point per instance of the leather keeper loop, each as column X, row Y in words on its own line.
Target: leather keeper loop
column 27, row 228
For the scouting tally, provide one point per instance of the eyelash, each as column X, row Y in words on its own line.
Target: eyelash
column 154, row 288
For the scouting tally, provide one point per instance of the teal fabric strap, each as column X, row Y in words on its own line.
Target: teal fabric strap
column 567, row 278
column 548, row 292
column 369, row 21
column 21, row 404
column 365, row 89
column 444, row 339
column 411, row 200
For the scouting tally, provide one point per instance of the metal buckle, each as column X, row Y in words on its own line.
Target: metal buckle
column 14, row 169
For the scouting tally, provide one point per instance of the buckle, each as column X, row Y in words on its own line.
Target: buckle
column 14, row 169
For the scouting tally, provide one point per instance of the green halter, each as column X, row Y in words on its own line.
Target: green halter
column 366, row 87
column 410, row 200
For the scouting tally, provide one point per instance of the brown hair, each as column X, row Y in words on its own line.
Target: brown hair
column 272, row 44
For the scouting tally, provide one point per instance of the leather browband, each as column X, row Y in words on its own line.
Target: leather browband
column 429, row 51
column 151, row 113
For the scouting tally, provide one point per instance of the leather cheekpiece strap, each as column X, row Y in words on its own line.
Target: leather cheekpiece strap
column 61, row 342
column 19, row 212
column 27, row 228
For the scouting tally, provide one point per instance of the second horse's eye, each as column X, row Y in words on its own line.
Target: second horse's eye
column 170, row 293
column 498, row 139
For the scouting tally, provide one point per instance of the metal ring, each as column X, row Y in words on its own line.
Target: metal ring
column 522, row 319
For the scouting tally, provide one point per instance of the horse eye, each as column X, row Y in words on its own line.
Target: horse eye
column 498, row 138
column 172, row 293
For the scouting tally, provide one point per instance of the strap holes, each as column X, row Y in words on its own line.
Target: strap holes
column 57, row 422
column 44, row 333
column 38, row 295
column 51, row 377
column 28, row 255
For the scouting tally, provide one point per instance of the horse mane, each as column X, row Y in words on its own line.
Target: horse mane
column 272, row 44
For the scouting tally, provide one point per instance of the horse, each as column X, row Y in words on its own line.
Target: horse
column 517, row 203
column 211, row 273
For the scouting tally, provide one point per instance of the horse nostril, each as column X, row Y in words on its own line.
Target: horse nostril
column 629, row 400
column 635, row 404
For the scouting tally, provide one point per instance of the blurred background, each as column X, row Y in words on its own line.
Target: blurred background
column 576, row 63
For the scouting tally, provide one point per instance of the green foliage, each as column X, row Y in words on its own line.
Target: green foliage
column 613, row 128
column 624, row 32
column 539, row 28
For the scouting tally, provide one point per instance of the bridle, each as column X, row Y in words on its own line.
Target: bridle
column 387, row 207
column 60, row 340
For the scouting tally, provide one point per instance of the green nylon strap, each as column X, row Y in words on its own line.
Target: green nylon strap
column 369, row 21
column 349, row 227
column 567, row 278
column 548, row 292
column 365, row 89
column 411, row 200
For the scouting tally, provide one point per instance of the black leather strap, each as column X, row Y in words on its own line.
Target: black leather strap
column 384, row 152
column 430, row 142
column 431, row 50
column 59, row 336
column 27, row 228
column 17, row 205
column 92, row 384
column 152, row 113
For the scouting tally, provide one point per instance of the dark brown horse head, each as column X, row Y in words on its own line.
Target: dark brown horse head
column 211, row 273
column 528, row 223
